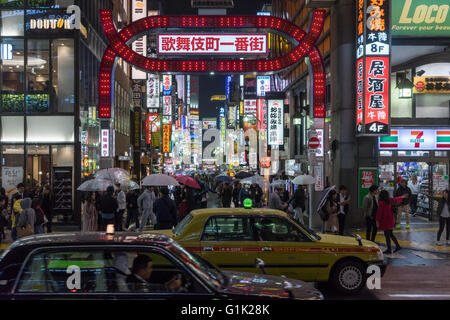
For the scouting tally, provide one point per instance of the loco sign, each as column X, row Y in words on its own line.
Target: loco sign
column 118, row 47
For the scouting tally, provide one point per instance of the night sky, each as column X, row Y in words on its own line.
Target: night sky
column 212, row 84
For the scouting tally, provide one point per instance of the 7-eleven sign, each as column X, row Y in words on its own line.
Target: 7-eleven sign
column 417, row 138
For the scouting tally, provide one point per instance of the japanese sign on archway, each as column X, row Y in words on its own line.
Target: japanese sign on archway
column 213, row 45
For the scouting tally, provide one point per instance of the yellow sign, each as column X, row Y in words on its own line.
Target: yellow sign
column 166, row 138
column 431, row 85
column 218, row 98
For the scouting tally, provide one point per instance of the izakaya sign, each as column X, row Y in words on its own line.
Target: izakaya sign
column 420, row 18
column 372, row 68
column 241, row 43
column 416, row 139
column 212, row 44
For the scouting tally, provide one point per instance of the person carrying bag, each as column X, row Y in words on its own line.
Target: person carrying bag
column 26, row 219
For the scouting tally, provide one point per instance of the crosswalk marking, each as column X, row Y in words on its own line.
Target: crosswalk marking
column 426, row 255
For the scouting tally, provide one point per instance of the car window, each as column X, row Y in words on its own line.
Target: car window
column 278, row 229
column 66, row 271
column 103, row 271
column 228, row 229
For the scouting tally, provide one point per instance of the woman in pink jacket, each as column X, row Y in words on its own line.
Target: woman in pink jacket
column 386, row 218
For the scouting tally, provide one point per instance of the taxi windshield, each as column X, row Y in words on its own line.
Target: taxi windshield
column 199, row 266
column 182, row 225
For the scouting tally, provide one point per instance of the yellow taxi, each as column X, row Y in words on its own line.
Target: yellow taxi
column 233, row 238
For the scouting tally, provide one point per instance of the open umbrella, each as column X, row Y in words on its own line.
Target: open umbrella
column 96, row 184
column 224, row 179
column 159, row 180
column 323, row 197
column 304, row 179
column 114, row 174
column 188, row 181
column 129, row 184
column 278, row 182
column 243, row 175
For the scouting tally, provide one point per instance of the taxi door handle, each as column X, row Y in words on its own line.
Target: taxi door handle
column 207, row 249
column 266, row 249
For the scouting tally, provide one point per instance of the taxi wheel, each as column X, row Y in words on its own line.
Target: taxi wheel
column 348, row 276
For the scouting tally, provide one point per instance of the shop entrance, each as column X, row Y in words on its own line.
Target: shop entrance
column 432, row 178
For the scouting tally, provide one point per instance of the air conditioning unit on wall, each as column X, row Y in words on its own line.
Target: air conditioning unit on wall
column 320, row 3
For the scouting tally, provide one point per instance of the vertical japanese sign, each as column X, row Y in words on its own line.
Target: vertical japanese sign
column 166, row 138
column 261, row 114
column 318, row 175
column 263, row 85
column 139, row 11
column 194, row 99
column 152, row 91
column 250, row 106
column 275, row 122
column 167, row 105
column 366, row 178
column 105, row 143
column 223, row 127
column 373, row 67
column 152, row 125
column 167, row 85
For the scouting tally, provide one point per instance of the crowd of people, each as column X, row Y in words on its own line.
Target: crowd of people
column 153, row 205
column 25, row 212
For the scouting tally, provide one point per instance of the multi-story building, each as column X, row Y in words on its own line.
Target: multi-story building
column 50, row 133
column 418, row 141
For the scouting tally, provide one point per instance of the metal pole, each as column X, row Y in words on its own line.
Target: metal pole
column 310, row 206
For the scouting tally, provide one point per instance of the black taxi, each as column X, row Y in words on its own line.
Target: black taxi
column 97, row 266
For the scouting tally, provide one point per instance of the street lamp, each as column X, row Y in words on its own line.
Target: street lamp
column 405, row 86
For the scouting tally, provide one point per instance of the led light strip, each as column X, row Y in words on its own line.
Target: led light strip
column 118, row 47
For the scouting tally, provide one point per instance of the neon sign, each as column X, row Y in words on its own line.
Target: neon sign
column 118, row 47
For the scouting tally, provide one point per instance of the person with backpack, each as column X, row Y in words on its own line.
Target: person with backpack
column 40, row 216
column 16, row 209
column 165, row 210
column 386, row 219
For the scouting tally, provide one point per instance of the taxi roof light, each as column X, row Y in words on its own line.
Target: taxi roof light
column 248, row 203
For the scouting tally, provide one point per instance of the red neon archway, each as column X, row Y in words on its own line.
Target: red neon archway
column 118, row 48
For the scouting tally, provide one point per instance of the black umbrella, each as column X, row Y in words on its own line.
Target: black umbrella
column 243, row 175
column 224, row 179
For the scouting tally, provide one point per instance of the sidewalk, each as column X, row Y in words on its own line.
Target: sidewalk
column 422, row 235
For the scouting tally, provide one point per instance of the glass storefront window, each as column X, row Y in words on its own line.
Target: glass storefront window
column 12, row 75
column 38, row 70
column 12, row 164
column 38, row 165
column 62, row 155
column 13, row 129
column 400, row 107
column 45, row 129
column 11, row 22
column 62, row 74
column 432, row 106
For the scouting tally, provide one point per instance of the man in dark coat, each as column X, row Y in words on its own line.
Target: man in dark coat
column 108, row 207
column 405, row 205
column 165, row 210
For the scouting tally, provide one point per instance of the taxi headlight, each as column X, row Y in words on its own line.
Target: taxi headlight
column 380, row 254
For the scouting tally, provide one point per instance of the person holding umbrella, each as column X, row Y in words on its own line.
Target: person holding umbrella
column 331, row 207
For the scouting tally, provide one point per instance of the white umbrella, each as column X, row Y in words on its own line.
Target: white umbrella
column 278, row 182
column 159, row 180
column 304, row 180
column 129, row 184
column 114, row 174
column 96, row 184
column 255, row 179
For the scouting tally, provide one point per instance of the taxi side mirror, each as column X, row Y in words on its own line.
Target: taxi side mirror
column 259, row 264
